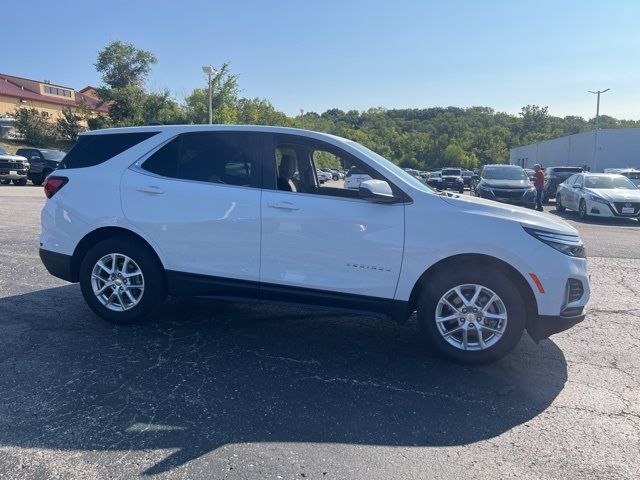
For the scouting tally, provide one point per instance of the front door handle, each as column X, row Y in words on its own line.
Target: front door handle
column 150, row 189
column 284, row 206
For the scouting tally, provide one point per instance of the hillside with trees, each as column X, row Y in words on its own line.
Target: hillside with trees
column 420, row 138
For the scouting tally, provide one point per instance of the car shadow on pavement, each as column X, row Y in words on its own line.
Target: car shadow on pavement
column 204, row 374
column 614, row 222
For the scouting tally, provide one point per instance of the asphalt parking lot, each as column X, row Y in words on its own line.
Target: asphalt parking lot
column 211, row 390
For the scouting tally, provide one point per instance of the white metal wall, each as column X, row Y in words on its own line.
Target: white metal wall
column 616, row 148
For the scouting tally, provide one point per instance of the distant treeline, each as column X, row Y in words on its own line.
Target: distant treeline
column 418, row 138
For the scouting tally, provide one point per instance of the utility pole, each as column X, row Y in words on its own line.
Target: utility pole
column 209, row 70
column 598, row 92
column 595, row 132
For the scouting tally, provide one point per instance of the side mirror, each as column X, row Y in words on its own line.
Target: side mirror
column 575, row 185
column 376, row 191
column 35, row 157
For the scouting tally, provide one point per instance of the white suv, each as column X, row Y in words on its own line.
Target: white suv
column 135, row 214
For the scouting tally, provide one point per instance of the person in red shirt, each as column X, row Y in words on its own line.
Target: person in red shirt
column 539, row 184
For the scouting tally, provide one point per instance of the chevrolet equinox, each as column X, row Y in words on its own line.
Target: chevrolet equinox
column 238, row 212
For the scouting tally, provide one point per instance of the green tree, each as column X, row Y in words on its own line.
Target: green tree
column 126, row 105
column 122, row 64
column 258, row 111
column 160, row 108
column 98, row 121
column 69, row 125
column 35, row 127
column 534, row 119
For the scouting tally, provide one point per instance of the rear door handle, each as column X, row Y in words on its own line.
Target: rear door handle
column 284, row 206
column 150, row 189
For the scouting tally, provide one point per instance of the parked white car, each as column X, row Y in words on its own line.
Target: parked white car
column 323, row 176
column 631, row 173
column 599, row 195
column 134, row 214
column 354, row 177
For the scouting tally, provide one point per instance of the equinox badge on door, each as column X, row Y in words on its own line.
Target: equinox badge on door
column 368, row 267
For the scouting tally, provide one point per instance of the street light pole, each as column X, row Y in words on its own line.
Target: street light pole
column 598, row 92
column 209, row 70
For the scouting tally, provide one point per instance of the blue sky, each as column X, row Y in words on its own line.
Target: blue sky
column 351, row 54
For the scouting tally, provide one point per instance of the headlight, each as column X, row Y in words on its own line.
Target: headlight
column 563, row 242
column 481, row 186
column 597, row 199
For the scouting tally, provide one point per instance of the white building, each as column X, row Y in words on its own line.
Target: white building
column 597, row 150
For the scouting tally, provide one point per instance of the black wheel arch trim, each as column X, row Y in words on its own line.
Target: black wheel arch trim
column 531, row 305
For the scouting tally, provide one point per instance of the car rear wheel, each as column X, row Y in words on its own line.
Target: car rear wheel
column 559, row 206
column 582, row 209
column 122, row 281
column 472, row 316
column 4, row 181
column 39, row 179
column 20, row 182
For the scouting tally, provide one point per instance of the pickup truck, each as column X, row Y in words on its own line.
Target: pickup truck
column 13, row 168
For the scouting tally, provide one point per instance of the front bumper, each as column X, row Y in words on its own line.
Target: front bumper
column 547, row 325
column 598, row 209
column 18, row 175
column 58, row 264
column 527, row 199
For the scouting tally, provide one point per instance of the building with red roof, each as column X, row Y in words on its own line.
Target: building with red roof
column 18, row 92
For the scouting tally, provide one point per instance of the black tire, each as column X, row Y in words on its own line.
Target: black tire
column 155, row 290
column 486, row 276
column 582, row 210
column 20, row 182
column 4, row 181
column 335, row 178
column 40, row 178
column 559, row 206
column 461, row 190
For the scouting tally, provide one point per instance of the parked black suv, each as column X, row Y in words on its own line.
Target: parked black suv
column 554, row 176
column 13, row 168
column 42, row 162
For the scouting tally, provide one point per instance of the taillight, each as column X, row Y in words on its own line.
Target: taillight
column 53, row 184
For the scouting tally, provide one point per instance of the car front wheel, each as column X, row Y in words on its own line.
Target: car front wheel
column 472, row 316
column 582, row 209
column 122, row 281
column 559, row 205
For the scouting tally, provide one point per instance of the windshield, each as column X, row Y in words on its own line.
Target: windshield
column 56, row 155
column 504, row 173
column 608, row 182
column 451, row 172
column 633, row 175
column 410, row 179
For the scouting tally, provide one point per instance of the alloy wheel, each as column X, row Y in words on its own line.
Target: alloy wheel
column 117, row 282
column 471, row 317
column 583, row 209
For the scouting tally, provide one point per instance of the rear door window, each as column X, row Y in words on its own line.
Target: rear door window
column 230, row 158
column 91, row 150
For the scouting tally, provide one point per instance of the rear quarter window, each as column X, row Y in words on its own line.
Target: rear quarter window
column 91, row 150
